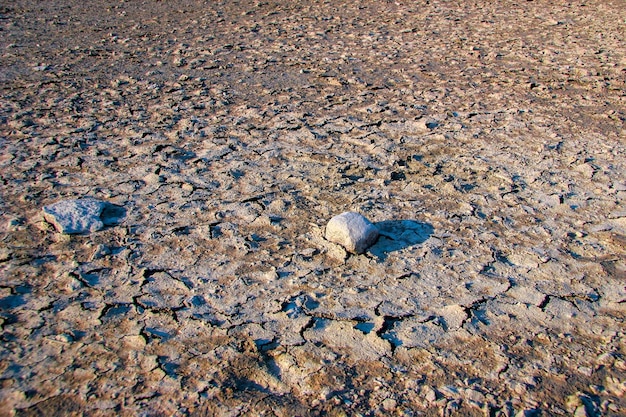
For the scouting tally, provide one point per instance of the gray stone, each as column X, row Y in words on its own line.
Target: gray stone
column 352, row 231
column 82, row 215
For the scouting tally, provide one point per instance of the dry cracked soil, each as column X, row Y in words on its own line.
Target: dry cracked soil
column 485, row 139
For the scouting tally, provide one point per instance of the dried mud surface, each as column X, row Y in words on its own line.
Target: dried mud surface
column 485, row 139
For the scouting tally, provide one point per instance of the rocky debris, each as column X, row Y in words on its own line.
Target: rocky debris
column 82, row 215
column 352, row 231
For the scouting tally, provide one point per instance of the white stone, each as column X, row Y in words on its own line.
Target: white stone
column 352, row 231
column 82, row 215
column 75, row 216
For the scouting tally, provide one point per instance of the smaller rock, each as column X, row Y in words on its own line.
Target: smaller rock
column 429, row 394
column 100, row 252
column 153, row 178
column 473, row 395
column 352, row 231
column 82, row 215
column 453, row 316
column 389, row 404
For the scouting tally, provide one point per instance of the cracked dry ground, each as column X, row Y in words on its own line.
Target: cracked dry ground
column 485, row 138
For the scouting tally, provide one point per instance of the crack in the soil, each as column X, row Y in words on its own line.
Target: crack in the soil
column 309, row 325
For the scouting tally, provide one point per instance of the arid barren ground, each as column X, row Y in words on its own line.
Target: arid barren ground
column 487, row 139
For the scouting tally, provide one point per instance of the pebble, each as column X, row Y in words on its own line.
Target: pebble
column 389, row 404
column 429, row 394
column 352, row 231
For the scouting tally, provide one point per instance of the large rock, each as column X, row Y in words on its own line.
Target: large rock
column 352, row 231
column 82, row 215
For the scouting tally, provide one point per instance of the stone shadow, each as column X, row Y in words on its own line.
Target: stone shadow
column 112, row 214
column 396, row 235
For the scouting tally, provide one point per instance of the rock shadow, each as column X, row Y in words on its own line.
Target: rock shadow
column 396, row 235
column 112, row 214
